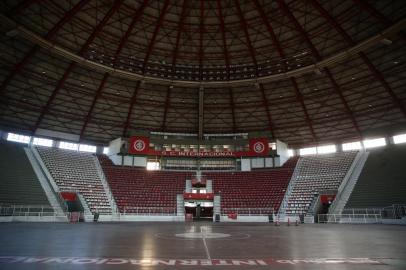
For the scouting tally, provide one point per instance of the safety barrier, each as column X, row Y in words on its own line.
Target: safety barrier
column 248, row 211
column 149, row 211
column 350, row 218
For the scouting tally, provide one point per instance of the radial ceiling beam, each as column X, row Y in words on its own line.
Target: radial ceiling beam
column 279, row 49
column 89, row 113
column 167, row 100
column 71, row 66
column 247, row 36
column 130, row 108
column 372, row 11
column 156, row 30
column 20, row 7
column 201, row 32
column 232, row 106
column 223, row 36
column 299, row 96
column 50, row 35
column 265, row 102
column 121, row 44
column 124, row 39
column 377, row 74
column 316, row 54
column 180, row 29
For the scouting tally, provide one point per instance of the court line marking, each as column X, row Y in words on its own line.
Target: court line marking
column 203, row 232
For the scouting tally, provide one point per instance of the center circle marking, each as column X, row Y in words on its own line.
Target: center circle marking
column 201, row 235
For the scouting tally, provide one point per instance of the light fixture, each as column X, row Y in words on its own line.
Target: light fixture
column 386, row 41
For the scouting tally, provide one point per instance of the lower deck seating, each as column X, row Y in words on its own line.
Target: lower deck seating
column 315, row 174
column 19, row 184
column 255, row 189
column 76, row 171
column 137, row 188
column 382, row 181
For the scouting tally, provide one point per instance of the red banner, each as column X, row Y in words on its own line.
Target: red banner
column 138, row 145
column 259, row 147
column 198, row 196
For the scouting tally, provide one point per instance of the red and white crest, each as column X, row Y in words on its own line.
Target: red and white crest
column 138, row 145
column 259, row 146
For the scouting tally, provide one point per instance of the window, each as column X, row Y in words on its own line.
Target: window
column 69, row 146
column 374, row 143
column 153, row 165
column 308, row 151
column 352, row 146
column 18, row 138
column 399, row 138
column 87, row 148
column 106, row 150
column 290, row 153
column 42, row 142
column 326, row 149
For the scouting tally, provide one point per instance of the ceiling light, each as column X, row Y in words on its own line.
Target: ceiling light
column 12, row 33
column 386, row 41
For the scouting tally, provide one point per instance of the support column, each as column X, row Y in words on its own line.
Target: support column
column 201, row 116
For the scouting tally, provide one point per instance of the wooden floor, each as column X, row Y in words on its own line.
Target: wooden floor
column 201, row 245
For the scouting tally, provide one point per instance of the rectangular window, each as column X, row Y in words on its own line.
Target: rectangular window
column 42, row 142
column 399, row 138
column 308, row 151
column 18, row 138
column 87, row 148
column 326, row 149
column 153, row 165
column 105, row 150
column 69, row 146
column 374, row 143
column 352, row 146
column 290, row 153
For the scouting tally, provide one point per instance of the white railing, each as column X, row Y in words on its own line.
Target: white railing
column 30, row 213
column 24, row 210
column 395, row 211
column 349, row 218
column 288, row 192
column 362, row 211
column 248, row 211
column 149, row 211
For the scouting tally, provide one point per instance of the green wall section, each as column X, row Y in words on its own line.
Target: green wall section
column 18, row 182
column 383, row 179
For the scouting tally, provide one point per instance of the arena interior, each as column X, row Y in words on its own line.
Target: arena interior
column 193, row 134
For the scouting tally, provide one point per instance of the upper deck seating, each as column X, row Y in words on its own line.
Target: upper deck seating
column 317, row 173
column 77, row 171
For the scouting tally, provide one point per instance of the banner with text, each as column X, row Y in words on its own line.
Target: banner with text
column 257, row 147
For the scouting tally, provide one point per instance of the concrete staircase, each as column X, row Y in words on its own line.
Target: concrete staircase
column 282, row 209
column 180, row 205
column 216, row 206
column 112, row 201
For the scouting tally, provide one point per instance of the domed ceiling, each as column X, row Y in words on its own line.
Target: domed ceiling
column 306, row 71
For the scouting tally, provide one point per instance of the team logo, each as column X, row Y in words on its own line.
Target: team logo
column 259, row 147
column 139, row 145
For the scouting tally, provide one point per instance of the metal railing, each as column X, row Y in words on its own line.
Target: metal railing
column 149, row 211
column 349, row 218
column 248, row 211
column 25, row 210
column 395, row 211
column 23, row 213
